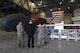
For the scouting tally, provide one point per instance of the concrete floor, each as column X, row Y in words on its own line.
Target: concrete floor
column 8, row 44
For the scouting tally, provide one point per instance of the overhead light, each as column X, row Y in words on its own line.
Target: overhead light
column 59, row 8
column 33, row 4
column 68, row 7
column 50, row 9
column 39, row 4
column 60, row 3
column 44, row 5
column 72, row 0
column 40, row 1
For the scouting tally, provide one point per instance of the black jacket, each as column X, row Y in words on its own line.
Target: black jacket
column 30, row 29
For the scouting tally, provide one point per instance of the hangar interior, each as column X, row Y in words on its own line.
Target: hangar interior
column 31, row 9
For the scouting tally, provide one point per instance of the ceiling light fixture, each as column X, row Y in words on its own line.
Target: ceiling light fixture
column 68, row 7
column 72, row 0
column 50, row 9
column 40, row 1
column 33, row 4
column 59, row 8
column 60, row 3
column 44, row 5
column 39, row 4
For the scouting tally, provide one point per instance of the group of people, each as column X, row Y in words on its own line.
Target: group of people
column 30, row 29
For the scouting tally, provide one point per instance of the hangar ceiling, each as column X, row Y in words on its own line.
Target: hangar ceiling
column 66, row 5
column 9, row 6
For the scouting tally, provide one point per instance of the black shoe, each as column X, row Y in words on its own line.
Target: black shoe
column 19, row 45
column 45, row 42
column 32, row 46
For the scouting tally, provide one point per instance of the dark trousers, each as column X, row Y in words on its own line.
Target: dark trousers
column 30, row 38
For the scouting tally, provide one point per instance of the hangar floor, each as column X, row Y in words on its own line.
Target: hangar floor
column 8, row 44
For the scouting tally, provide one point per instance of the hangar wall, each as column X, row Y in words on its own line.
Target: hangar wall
column 76, row 17
column 77, row 12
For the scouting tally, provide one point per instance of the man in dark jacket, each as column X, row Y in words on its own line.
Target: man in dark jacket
column 30, row 32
